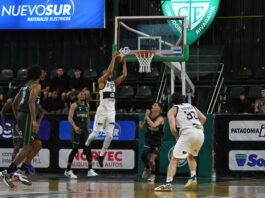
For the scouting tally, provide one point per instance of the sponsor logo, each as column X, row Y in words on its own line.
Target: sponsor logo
column 51, row 14
column 41, row 160
column 50, row 8
column 44, row 130
column 247, row 160
column 247, row 130
column 200, row 15
column 241, row 159
column 113, row 159
column 4, row 133
column 123, row 130
column 181, row 163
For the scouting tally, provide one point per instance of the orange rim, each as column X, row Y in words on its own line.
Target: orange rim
column 144, row 53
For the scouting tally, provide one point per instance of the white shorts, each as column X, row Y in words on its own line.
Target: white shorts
column 190, row 141
column 104, row 119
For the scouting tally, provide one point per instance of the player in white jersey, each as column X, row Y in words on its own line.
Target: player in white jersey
column 105, row 115
column 189, row 120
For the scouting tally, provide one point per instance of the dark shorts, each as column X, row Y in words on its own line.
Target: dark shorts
column 153, row 148
column 17, row 136
column 25, row 124
column 78, row 140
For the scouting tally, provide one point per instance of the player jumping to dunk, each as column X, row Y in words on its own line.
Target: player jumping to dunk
column 189, row 120
column 105, row 115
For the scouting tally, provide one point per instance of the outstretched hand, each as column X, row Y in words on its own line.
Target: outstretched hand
column 115, row 54
column 141, row 125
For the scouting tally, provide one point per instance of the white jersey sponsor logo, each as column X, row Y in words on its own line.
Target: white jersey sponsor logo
column 107, row 103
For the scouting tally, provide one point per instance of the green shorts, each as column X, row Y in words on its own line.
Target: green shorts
column 78, row 140
column 24, row 121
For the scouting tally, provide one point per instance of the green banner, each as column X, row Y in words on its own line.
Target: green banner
column 200, row 14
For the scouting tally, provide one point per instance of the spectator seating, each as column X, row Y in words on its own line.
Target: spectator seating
column 53, row 73
column 7, row 74
column 235, row 92
column 254, row 91
column 21, row 74
column 90, row 74
column 154, row 74
column 126, row 92
column 71, row 73
column 244, row 73
column 260, row 72
column 144, row 92
column 139, row 111
column 121, row 111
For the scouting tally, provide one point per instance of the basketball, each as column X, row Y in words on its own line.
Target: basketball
column 119, row 58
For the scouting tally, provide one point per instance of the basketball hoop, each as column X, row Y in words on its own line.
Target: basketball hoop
column 145, row 58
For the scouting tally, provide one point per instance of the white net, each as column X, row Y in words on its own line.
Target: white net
column 145, row 58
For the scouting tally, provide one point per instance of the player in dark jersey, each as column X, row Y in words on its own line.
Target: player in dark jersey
column 16, row 132
column 24, row 108
column 79, row 119
column 154, row 122
column 17, row 135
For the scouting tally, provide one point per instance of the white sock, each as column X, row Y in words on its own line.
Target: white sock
column 192, row 173
column 169, row 179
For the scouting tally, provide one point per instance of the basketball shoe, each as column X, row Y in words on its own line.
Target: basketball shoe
column 192, row 182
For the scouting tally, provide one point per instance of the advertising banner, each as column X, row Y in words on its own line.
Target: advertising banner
column 44, row 130
column 247, row 160
column 52, row 14
column 41, row 160
column 247, row 130
column 114, row 159
column 123, row 130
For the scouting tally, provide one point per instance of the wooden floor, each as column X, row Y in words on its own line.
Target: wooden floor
column 127, row 186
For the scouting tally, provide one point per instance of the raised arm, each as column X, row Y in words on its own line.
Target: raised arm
column 108, row 73
column 202, row 118
column 121, row 78
column 35, row 91
column 172, row 121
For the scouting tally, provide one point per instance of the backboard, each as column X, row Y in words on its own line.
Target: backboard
column 153, row 33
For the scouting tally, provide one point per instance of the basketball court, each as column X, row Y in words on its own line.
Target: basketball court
column 127, row 186
column 143, row 39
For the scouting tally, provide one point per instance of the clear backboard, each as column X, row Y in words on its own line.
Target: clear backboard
column 153, row 33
